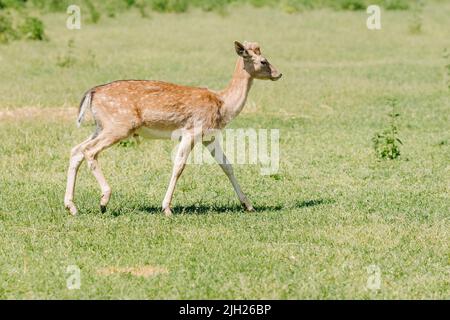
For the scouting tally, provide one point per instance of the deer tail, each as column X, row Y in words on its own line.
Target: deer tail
column 84, row 104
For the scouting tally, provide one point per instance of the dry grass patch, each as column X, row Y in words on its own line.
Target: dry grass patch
column 143, row 271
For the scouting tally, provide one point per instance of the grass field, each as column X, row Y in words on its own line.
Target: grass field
column 332, row 211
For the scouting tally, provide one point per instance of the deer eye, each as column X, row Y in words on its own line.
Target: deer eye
column 263, row 62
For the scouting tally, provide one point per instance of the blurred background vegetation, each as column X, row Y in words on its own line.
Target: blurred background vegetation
column 111, row 8
column 19, row 19
column 115, row 6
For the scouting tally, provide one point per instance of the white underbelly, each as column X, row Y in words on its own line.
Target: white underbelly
column 149, row 133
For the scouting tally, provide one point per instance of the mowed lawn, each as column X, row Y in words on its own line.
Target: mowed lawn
column 331, row 214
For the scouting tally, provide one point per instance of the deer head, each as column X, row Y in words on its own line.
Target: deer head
column 254, row 63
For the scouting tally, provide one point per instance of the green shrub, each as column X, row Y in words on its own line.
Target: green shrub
column 32, row 29
column 16, row 25
column 386, row 143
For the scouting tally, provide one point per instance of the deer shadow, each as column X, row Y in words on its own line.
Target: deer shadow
column 224, row 209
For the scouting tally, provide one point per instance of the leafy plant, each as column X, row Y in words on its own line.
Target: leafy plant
column 32, row 29
column 386, row 144
column 16, row 25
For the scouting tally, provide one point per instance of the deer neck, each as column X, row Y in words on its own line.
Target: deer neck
column 235, row 95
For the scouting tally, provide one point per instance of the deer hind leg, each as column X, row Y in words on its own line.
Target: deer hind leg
column 216, row 151
column 184, row 148
column 91, row 151
column 76, row 158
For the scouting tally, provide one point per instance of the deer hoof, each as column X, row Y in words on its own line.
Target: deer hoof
column 167, row 212
column 248, row 207
column 102, row 208
column 71, row 208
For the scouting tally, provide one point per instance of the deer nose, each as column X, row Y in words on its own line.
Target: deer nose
column 275, row 78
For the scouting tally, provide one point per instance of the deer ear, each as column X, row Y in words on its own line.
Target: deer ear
column 240, row 49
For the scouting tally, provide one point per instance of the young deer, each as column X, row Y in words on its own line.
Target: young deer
column 156, row 109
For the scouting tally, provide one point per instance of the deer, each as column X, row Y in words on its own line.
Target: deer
column 155, row 109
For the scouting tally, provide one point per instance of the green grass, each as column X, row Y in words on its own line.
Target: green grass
column 332, row 210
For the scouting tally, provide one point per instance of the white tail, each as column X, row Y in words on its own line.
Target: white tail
column 123, row 108
column 85, row 103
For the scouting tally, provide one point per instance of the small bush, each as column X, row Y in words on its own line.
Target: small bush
column 32, row 29
column 386, row 143
column 20, row 27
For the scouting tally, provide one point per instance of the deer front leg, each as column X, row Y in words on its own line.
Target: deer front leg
column 216, row 151
column 185, row 147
